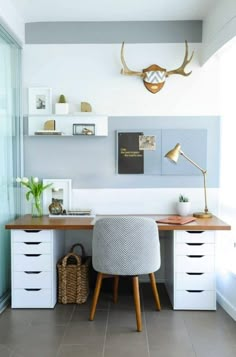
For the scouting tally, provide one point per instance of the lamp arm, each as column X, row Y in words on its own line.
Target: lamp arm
column 192, row 162
column 204, row 177
column 205, row 195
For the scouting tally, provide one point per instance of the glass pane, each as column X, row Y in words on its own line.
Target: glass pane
column 10, row 54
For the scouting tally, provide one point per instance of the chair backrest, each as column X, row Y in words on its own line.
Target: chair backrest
column 126, row 245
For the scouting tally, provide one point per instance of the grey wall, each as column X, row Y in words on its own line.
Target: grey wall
column 113, row 32
column 91, row 161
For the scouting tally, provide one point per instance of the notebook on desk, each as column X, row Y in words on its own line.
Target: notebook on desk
column 177, row 220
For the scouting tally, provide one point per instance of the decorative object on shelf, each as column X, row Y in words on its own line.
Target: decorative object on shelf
column 36, row 189
column 50, row 125
column 49, row 128
column 183, row 206
column 62, row 107
column 55, row 208
column 173, row 156
column 85, row 107
column 59, row 192
column 154, row 76
column 39, row 101
column 83, row 129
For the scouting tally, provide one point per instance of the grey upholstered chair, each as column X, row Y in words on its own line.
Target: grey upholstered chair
column 125, row 246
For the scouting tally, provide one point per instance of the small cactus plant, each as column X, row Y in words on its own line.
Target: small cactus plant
column 183, row 198
column 62, row 107
column 62, row 99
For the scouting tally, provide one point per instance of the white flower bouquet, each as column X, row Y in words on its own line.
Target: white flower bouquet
column 36, row 189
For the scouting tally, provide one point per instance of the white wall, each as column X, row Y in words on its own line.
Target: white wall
column 218, row 27
column 92, row 73
column 12, row 21
column 226, row 281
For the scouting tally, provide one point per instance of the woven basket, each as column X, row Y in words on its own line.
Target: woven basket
column 73, row 277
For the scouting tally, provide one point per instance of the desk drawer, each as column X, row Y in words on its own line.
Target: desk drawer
column 190, row 300
column 31, row 235
column 31, row 248
column 195, row 249
column 191, row 281
column 38, row 298
column 195, row 236
column 29, row 279
column 195, row 264
column 32, row 262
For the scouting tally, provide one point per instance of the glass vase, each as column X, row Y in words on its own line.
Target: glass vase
column 37, row 209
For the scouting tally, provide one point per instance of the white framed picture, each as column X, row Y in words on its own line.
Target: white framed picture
column 39, row 100
column 60, row 191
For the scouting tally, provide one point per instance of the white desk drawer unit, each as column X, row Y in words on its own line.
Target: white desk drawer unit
column 32, row 279
column 34, row 257
column 32, row 248
column 32, row 298
column 194, row 270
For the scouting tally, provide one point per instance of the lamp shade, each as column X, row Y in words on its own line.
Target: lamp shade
column 173, row 155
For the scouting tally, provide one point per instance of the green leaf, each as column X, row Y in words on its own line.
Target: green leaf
column 28, row 195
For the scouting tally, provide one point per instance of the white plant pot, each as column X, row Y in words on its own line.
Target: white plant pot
column 62, row 108
column 183, row 208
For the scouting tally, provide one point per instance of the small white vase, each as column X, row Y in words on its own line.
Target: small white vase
column 183, row 208
column 62, row 108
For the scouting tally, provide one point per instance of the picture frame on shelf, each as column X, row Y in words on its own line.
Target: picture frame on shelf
column 39, row 101
column 60, row 192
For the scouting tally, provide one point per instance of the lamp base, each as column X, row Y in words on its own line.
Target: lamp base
column 202, row 215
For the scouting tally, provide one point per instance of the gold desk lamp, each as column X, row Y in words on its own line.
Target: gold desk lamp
column 173, row 156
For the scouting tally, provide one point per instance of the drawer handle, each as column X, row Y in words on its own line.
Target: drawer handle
column 32, row 230
column 29, row 289
column 195, row 232
column 32, row 255
column 194, row 291
column 195, row 256
column 32, row 243
column 195, row 273
column 32, row 272
column 192, row 244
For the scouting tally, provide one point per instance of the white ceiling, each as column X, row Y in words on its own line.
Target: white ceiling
column 112, row 10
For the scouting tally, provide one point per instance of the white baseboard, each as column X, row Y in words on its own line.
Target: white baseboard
column 226, row 305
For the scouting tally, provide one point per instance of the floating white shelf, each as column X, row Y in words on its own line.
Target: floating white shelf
column 64, row 124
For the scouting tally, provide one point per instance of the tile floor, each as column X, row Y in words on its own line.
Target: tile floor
column 66, row 332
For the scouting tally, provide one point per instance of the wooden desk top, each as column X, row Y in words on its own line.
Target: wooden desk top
column 72, row 223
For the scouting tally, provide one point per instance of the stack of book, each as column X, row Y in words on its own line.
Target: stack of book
column 75, row 213
column 48, row 132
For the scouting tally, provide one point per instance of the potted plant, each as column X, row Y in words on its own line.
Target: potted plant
column 35, row 189
column 62, row 107
column 183, row 205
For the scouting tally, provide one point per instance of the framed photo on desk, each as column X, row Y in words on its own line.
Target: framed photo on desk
column 60, row 191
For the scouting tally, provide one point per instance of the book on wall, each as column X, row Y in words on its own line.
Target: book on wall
column 130, row 157
column 177, row 220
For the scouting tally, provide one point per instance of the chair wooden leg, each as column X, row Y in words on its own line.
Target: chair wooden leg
column 96, row 296
column 137, row 303
column 115, row 288
column 155, row 291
